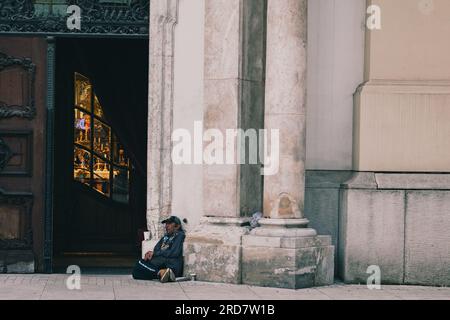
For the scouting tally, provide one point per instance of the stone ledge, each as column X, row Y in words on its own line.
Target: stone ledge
column 285, row 242
column 283, row 223
column 413, row 181
column 361, row 180
column 217, row 233
column 398, row 181
column 405, row 86
column 318, row 179
column 284, row 232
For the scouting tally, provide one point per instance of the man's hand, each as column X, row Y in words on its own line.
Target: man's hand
column 148, row 256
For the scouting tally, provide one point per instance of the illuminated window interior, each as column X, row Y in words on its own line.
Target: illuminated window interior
column 100, row 160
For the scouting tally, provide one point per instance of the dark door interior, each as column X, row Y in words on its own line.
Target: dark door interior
column 100, row 150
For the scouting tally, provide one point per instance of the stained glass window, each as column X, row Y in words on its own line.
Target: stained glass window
column 100, row 160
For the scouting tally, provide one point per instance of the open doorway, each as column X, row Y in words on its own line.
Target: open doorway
column 101, row 107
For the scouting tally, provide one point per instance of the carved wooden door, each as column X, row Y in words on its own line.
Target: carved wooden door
column 23, row 73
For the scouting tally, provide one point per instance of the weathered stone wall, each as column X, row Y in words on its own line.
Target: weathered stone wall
column 213, row 250
column 427, row 237
column 398, row 222
column 286, row 262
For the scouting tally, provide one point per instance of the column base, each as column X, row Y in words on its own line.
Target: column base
column 278, row 254
column 213, row 251
column 285, row 261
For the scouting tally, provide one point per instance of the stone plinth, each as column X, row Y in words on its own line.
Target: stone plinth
column 213, row 251
column 286, row 257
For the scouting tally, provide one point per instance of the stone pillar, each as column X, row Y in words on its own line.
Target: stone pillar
column 286, row 106
column 163, row 19
column 233, row 99
column 283, row 252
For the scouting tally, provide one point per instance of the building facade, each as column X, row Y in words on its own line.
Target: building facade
column 374, row 156
column 359, row 93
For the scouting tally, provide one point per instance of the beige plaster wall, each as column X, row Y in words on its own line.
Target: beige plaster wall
column 413, row 41
column 402, row 119
column 335, row 69
column 403, row 127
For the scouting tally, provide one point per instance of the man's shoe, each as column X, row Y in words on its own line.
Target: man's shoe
column 168, row 276
column 161, row 272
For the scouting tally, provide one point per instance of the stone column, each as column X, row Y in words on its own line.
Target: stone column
column 163, row 19
column 233, row 99
column 283, row 252
column 286, row 106
column 285, row 110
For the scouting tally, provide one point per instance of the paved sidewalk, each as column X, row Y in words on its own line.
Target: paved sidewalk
column 123, row 287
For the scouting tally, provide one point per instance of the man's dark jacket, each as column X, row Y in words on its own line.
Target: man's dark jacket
column 172, row 256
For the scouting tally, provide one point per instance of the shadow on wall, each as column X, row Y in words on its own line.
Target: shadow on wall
column 322, row 203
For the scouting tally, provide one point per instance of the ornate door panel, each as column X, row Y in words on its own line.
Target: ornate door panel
column 100, row 17
column 22, row 145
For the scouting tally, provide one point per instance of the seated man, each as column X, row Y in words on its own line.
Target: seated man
column 165, row 262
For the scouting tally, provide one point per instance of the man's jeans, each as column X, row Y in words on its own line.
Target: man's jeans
column 145, row 270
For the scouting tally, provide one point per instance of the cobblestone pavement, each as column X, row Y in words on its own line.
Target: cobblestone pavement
column 123, row 287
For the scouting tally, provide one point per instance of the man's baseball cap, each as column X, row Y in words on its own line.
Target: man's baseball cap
column 172, row 219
